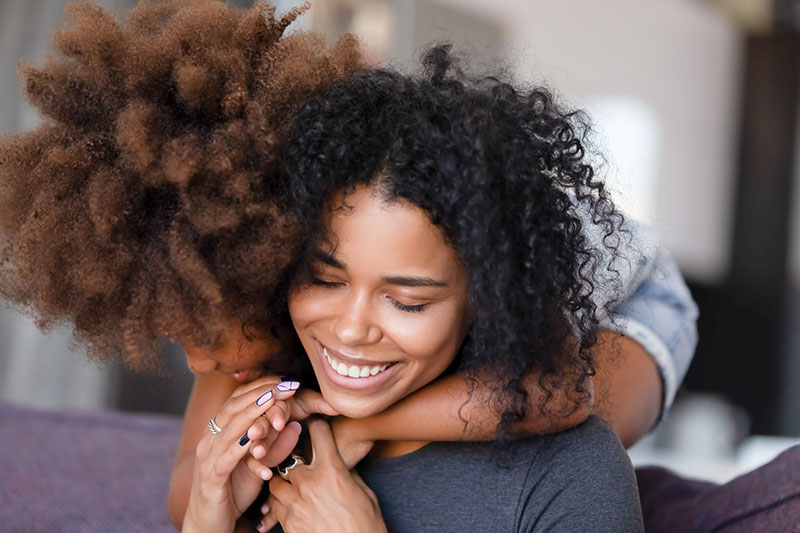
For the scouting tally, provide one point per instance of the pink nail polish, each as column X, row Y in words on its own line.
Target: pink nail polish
column 264, row 398
column 285, row 386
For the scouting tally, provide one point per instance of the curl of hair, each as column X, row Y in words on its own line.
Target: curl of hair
column 144, row 205
column 503, row 172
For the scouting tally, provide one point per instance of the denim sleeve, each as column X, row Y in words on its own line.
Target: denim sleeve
column 654, row 307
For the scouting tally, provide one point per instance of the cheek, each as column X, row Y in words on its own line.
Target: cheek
column 305, row 306
column 432, row 339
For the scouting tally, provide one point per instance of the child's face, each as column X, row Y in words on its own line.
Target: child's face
column 385, row 313
column 240, row 356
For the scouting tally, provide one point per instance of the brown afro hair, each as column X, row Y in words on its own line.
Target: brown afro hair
column 145, row 206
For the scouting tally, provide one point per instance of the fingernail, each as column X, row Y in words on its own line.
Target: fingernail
column 285, row 386
column 264, row 398
column 261, row 527
column 265, row 475
column 244, row 440
column 264, row 509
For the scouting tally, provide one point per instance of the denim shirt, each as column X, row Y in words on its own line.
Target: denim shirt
column 645, row 298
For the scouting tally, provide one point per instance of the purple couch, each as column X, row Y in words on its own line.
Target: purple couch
column 85, row 472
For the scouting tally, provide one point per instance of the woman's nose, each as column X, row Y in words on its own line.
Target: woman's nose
column 356, row 322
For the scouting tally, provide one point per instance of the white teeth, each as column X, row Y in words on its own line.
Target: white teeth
column 353, row 371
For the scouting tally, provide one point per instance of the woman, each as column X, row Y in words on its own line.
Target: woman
column 444, row 234
column 145, row 208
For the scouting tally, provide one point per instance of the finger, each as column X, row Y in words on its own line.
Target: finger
column 262, row 397
column 231, row 444
column 275, row 512
column 278, row 414
column 262, row 430
column 283, row 445
column 263, row 437
column 224, row 457
column 258, row 468
column 286, row 389
column 282, row 491
column 269, row 381
column 285, row 384
column 323, row 445
column 308, row 401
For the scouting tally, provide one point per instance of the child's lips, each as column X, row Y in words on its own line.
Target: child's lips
column 244, row 376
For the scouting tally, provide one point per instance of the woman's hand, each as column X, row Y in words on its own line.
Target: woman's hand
column 324, row 495
column 222, row 485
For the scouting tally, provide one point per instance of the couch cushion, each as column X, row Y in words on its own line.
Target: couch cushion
column 85, row 472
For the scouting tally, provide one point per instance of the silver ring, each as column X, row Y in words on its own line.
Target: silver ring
column 213, row 427
column 293, row 462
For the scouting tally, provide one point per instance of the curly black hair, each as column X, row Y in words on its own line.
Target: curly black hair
column 504, row 172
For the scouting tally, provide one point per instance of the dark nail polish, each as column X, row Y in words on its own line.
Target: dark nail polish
column 244, row 440
column 290, row 378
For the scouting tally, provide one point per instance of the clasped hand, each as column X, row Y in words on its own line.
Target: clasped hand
column 259, row 429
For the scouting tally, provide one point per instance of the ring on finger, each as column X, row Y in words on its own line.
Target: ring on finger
column 285, row 467
column 213, row 427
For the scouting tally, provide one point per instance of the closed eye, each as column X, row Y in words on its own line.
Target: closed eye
column 323, row 283
column 407, row 308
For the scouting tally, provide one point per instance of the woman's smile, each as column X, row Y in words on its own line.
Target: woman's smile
column 356, row 374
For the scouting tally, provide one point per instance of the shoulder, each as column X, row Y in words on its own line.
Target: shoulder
column 589, row 451
column 581, row 480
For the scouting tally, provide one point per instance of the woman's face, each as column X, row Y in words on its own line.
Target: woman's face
column 386, row 311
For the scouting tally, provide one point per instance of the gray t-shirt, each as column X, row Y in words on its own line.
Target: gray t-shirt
column 575, row 481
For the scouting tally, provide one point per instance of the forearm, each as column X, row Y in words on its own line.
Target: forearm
column 179, row 487
column 628, row 387
column 455, row 409
column 209, row 393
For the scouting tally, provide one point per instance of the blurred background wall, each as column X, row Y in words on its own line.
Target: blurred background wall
column 694, row 104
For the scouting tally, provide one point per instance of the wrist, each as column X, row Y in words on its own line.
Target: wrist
column 190, row 524
column 353, row 429
column 353, row 439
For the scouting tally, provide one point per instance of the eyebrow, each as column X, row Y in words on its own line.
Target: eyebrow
column 405, row 281
column 327, row 258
